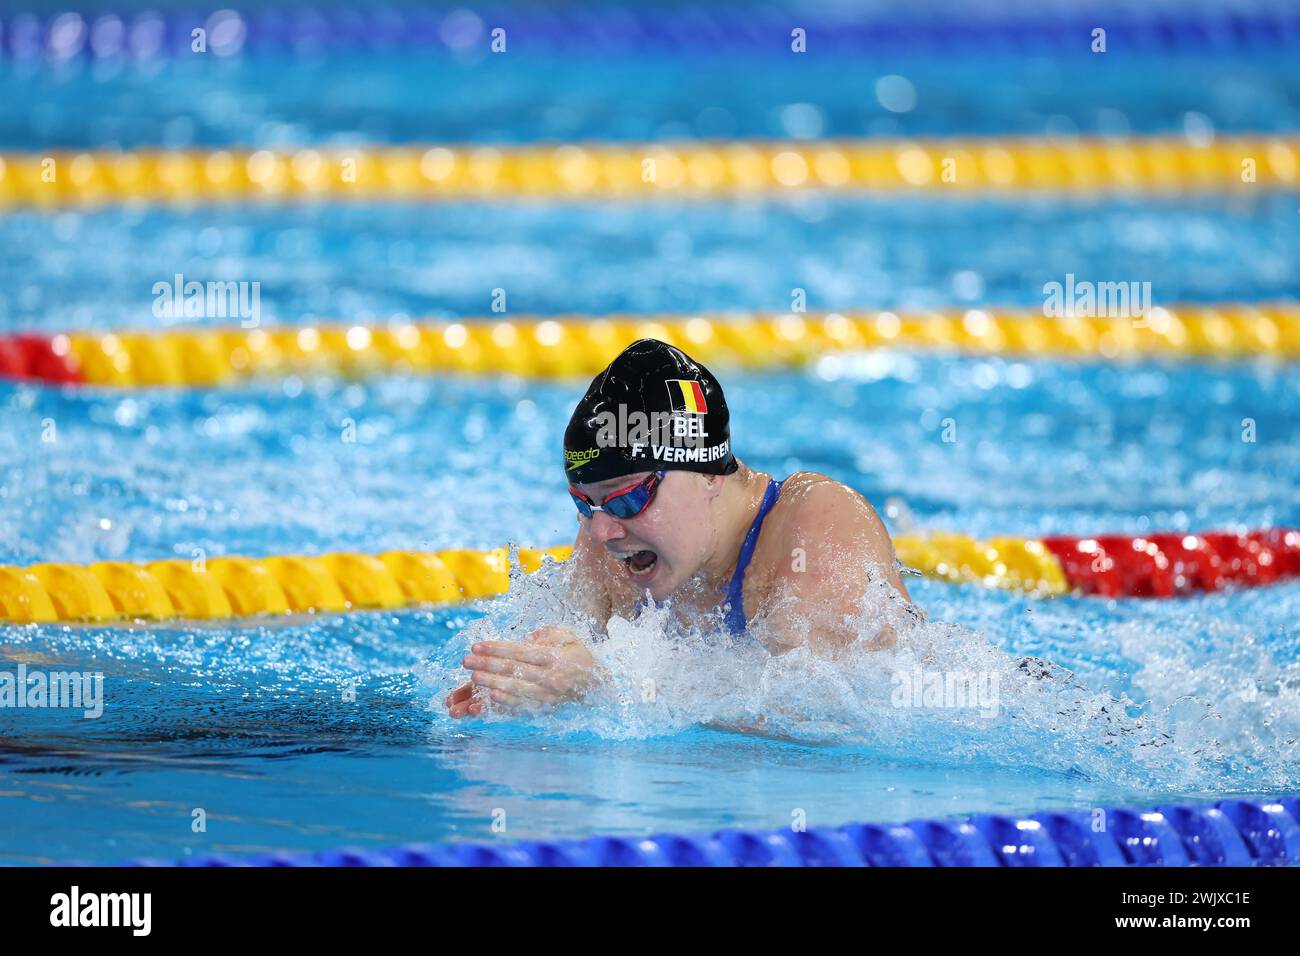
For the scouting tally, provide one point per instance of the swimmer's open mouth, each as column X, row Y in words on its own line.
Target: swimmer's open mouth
column 641, row 564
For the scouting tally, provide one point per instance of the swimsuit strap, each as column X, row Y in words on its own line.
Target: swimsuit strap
column 735, row 603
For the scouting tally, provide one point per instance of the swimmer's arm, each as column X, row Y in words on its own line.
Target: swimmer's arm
column 839, row 540
column 875, row 547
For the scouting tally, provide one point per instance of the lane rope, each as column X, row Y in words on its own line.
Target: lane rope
column 563, row 347
column 690, row 169
column 1239, row 832
column 1110, row 566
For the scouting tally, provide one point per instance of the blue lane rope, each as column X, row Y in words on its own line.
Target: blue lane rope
column 624, row 27
column 1238, row 832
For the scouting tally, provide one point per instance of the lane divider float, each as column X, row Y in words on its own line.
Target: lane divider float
column 1139, row 164
column 231, row 587
column 562, row 347
column 1154, row 565
column 1167, row 564
column 1260, row 831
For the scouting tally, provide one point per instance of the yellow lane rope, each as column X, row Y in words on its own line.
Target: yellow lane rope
column 1156, row 164
column 560, row 347
column 243, row 587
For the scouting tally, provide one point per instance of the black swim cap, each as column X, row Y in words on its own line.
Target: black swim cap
column 654, row 407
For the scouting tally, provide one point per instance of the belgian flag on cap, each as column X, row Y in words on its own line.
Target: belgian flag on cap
column 685, row 395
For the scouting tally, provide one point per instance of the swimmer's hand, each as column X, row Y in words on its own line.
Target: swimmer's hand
column 549, row 667
column 463, row 702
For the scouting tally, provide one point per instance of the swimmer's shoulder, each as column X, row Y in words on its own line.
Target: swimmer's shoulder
column 816, row 514
column 813, row 502
column 809, row 504
column 818, row 526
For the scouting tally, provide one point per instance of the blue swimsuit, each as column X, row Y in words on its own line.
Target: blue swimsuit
column 734, row 608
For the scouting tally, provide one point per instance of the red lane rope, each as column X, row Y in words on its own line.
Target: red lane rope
column 36, row 357
column 1170, row 564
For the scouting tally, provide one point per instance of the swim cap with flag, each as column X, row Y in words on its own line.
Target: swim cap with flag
column 654, row 407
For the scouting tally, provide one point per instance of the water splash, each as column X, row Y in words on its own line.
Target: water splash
column 1179, row 725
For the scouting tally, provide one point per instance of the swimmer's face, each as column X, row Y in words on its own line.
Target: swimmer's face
column 666, row 544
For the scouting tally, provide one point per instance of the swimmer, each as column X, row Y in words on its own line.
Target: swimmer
column 667, row 513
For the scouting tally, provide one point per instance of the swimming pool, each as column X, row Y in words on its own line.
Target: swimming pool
column 306, row 733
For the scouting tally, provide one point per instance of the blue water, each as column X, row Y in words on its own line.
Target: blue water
column 1042, row 447
column 525, row 95
column 311, row 733
column 372, row 263
column 251, row 724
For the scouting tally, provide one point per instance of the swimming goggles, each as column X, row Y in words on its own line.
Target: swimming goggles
column 625, row 503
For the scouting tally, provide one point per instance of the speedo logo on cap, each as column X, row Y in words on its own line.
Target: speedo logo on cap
column 576, row 459
column 686, row 396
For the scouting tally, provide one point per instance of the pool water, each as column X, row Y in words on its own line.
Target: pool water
column 315, row 732
column 371, row 262
column 253, row 726
column 309, row 734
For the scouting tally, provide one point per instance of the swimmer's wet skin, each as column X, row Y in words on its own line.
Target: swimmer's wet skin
column 666, row 512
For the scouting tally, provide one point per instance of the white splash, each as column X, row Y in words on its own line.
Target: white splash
column 663, row 678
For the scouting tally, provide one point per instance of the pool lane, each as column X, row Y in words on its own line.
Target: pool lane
column 369, row 263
